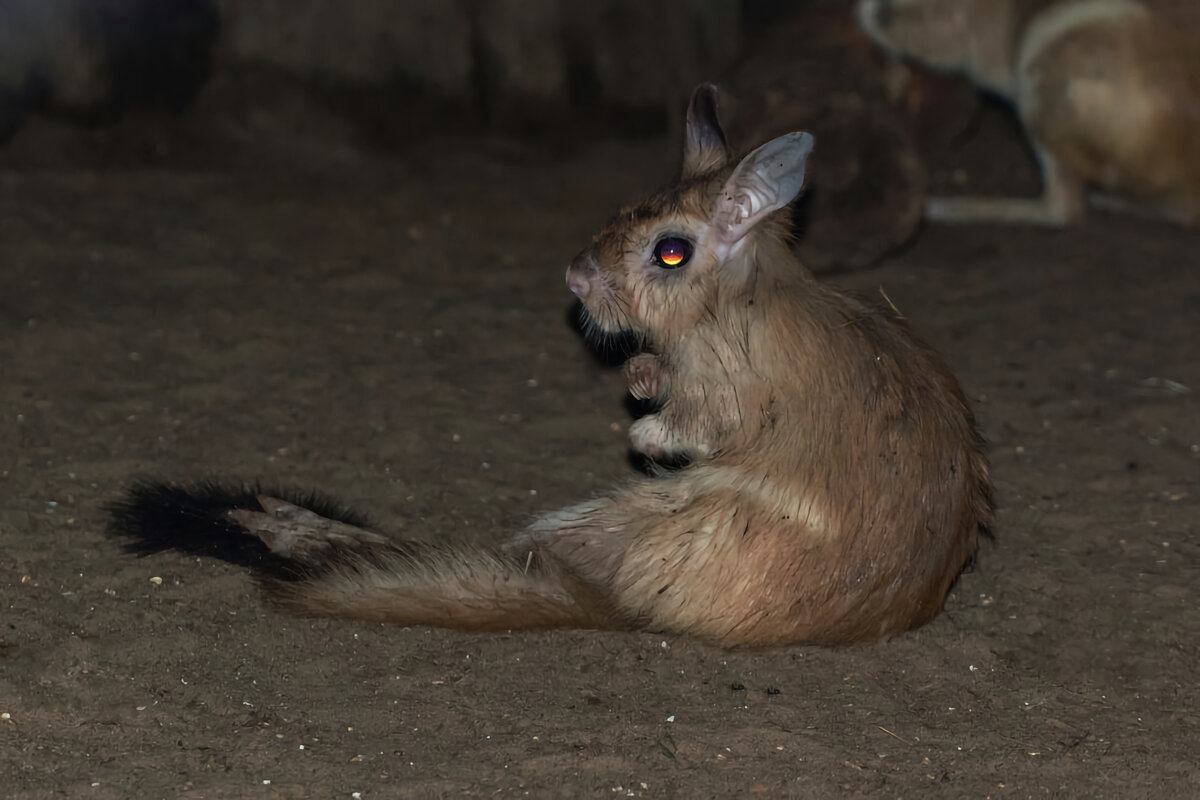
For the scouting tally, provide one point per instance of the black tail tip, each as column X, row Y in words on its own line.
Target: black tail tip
column 152, row 516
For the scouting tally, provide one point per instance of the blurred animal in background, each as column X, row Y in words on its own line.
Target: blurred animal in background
column 85, row 60
column 873, row 116
column 1107, row 91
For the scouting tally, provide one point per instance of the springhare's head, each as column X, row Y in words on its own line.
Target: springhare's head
column 658, row 267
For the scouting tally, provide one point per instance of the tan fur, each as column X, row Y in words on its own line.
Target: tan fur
column 841, row 484
column 837, row 486
column 1108, row 93
column 461, row 588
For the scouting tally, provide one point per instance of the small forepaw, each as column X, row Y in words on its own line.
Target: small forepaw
column 644, row 375
column 651, row 437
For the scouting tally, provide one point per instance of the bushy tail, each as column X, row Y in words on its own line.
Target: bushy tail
column 317, row 557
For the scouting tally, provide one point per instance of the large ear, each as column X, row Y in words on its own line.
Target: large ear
column 705, row 148
column 765, row 181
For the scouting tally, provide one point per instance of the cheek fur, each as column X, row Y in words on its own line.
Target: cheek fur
column 669, row 305
column 646, row 301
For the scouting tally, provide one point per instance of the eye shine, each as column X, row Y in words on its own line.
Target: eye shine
column 672, row 252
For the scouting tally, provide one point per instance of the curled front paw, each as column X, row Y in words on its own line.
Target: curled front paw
column 644, row 375
column 660, row 440
column 650, row 437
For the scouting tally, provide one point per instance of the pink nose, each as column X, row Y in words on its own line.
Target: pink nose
column 578, row 283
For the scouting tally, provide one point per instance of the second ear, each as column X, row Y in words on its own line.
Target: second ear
column 705, row 148
column 766, row 180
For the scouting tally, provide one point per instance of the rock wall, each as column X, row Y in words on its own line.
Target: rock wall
column 495, row 52
column 85, row 58
column 89, row 59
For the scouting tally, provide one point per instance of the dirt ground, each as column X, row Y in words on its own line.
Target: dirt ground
column 394, row 328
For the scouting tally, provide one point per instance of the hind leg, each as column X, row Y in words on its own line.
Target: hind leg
column 587, row 539
column 294, row 532
column 1061, row 203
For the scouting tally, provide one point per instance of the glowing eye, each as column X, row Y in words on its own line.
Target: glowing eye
column 672, row 252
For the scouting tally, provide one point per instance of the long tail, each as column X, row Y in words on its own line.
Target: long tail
column 316, row 557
